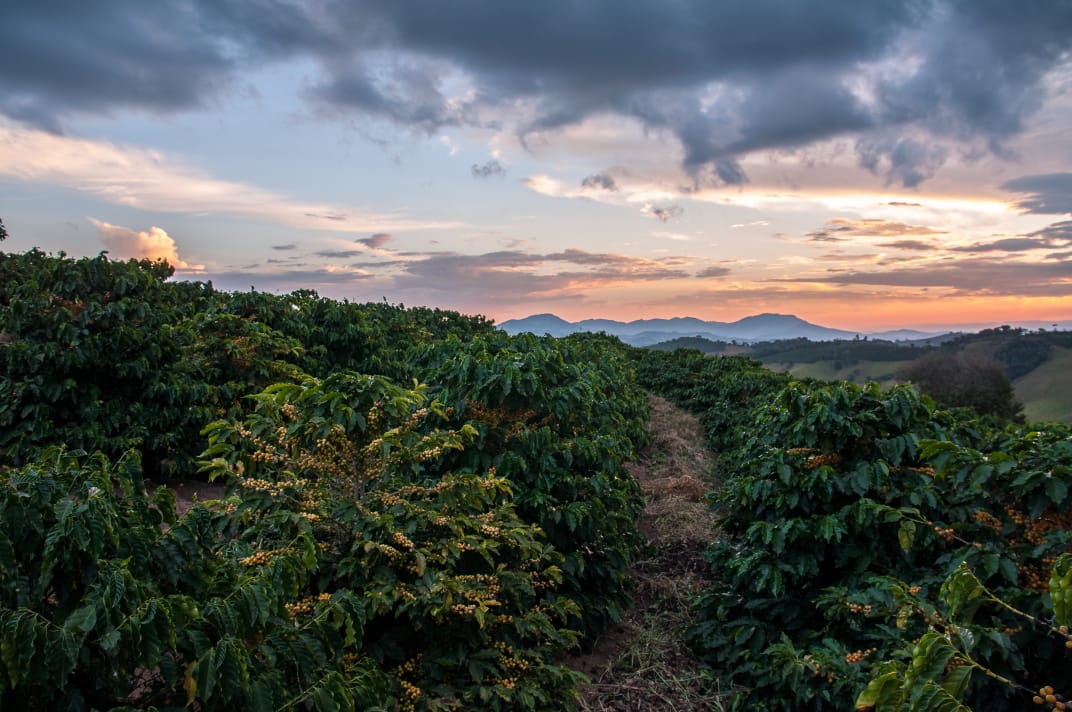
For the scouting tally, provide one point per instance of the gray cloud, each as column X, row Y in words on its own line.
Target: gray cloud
column 1056, row 231
column 161, row 56
column 487, row 170
column 918, row 245
column 981, row 276
column 515, row 276
column 1008, row 244
column 901, row 159
column 600, row 181
column 375, row 241
column 663, row 213
column 406, row 91
column 288, row 246
column 839, row 229
column 1055, row 236
column 1047, row 193
column 338, row 254
column 724, row 78
column 713, row 271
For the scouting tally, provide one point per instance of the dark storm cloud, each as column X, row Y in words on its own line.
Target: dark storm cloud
column 487, row 170
column 404, row 91
column 600, row 181
column 724, row 78
column 375, row 241
column 1047, row 193
column 901, row 159
column 65, row 57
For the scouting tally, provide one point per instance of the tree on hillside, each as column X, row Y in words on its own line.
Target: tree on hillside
column 3, row 232
column 965, row 380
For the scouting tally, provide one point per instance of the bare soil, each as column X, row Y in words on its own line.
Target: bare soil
column 642, row 663
column 190, row 492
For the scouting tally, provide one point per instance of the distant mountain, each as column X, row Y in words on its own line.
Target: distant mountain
column 645, row 332
column 770, row 327
column 541, row 324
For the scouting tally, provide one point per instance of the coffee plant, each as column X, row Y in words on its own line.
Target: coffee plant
column 380, row 546
column 107, row 601
column 845, row 510
column 460, row 601
column 558, row 418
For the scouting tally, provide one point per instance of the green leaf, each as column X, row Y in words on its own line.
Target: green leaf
column 963, row 593
column 882, row 693
column 81, row 621
column 956, row 682
column 1056, row 490
column 906, row 534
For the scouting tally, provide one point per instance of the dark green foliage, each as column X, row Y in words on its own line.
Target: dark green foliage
column 847, row 352
column 379, row 549
column 722, row 390
column 698, row 343
column 461, row 603
column 844, row 511
column 107, row 355
column 102, row 606
column 797, row 522
column 91, row 357
column 1020, row 351
column 1023, row 355
column 558, row 418
column 965, row 380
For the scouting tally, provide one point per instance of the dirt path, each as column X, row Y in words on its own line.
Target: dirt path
column 642, row 663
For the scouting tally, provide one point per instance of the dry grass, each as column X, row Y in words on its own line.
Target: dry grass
column 643, row 664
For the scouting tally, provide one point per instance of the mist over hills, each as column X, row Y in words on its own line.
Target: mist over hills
column 751, row 329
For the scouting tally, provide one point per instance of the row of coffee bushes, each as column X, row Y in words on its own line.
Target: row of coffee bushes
column 434, row 546
column 852, row 518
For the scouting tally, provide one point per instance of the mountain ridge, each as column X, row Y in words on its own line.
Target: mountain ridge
column 767, row 326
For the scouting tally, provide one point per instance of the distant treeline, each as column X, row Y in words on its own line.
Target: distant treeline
column 1020, row 351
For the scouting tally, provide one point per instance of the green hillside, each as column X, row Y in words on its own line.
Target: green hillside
column 1037, row 362
column 883, row 372
column 1046, row 392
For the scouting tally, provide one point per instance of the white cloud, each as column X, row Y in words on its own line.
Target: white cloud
column 151, row 180
column 155, row 244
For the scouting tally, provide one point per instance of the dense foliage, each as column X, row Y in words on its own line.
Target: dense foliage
column 956, row 379
column 381, row 547
column 855, row 522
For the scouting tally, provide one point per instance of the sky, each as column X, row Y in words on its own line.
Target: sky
column 862, row 164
